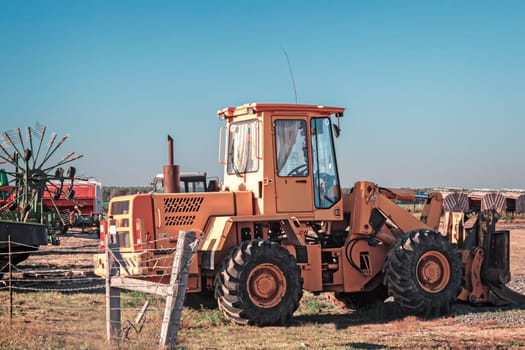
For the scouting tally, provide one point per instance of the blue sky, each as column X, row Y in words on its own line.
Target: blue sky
column 434, row 90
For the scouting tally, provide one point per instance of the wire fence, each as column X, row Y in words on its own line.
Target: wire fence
column 54, row 300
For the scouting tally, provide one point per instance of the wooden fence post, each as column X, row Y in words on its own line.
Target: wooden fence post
column 174, row 292
column 176, row 289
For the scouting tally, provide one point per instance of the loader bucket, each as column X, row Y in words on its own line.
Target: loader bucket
column 500, row 294
column 486, row 258
column 496, row 266
column 496, row 269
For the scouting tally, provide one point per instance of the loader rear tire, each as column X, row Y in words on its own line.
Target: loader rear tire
column 423, row 273
column 259, row 284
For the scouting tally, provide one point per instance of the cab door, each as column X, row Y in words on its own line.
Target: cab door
column 293, row 180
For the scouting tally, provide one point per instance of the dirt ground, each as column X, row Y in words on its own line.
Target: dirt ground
column 73, row 242
column 318, row 324
column 517, row 256
column 517, row 252
column 469, row 327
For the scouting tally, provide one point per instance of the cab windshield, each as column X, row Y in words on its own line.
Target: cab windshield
column 326, row 179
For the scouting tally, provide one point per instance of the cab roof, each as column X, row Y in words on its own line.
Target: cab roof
column 256, row 107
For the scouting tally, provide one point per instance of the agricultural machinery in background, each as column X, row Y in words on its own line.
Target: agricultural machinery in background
column 33, row 189
column 84, row 211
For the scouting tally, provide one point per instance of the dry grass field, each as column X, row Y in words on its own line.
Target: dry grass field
column 71, row 314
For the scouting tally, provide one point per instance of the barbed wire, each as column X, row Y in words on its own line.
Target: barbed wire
column 74, row 280
column 62, row 317
column 56, row 280
column 70, row 250
column 18, row 244
column 34, row 249
column 75, row 274
column 70, row 290
column 15, row 243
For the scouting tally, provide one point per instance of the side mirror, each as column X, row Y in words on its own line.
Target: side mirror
column 336, row 130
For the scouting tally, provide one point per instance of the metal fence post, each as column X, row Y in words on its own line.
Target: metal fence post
column 10, row 262
column 112, row 294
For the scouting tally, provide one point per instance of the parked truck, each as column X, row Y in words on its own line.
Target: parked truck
column 281, row 224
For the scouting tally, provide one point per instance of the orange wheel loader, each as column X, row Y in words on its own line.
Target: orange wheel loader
column 281, row 224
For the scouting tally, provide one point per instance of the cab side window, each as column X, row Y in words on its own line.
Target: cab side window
column 242, row 148
column 291, row 148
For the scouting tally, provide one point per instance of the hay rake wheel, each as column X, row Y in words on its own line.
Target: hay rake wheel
column 32, row 168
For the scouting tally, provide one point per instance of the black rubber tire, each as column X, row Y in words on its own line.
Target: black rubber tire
column 19, row 257
column 401, row 273
column 16, row 259
column 4, row 267
column 234, row 284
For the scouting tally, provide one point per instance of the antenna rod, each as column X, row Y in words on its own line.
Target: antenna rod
column 291, row 74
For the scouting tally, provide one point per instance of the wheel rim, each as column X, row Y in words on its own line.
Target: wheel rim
column 266, row 285
column 433, row 272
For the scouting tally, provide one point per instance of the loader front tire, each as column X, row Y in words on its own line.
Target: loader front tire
column 259, row 283
column 423, row 273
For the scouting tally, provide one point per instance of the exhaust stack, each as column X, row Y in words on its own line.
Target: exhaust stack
column 171, row 172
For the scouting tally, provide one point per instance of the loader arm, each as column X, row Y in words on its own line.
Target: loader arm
column 367, row 199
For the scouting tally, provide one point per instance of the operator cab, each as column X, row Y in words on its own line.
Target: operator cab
column 285, row 155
